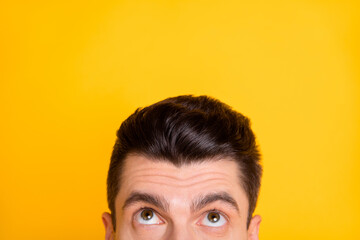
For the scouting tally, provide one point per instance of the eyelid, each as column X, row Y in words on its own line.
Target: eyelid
column 146, row 208
column 218, row 211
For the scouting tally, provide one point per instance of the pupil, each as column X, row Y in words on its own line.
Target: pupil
column 213, row 217
column 147, row 214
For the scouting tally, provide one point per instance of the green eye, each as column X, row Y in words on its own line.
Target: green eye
column 147, row 214
column 213, row 217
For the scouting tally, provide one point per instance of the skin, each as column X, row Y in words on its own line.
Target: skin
column 179, row 200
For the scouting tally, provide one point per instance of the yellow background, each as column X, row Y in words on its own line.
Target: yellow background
column 72, row 71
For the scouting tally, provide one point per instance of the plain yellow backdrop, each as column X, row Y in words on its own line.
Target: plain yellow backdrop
column 72, row 71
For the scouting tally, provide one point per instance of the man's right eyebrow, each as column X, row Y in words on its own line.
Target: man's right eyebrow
column 153, row 199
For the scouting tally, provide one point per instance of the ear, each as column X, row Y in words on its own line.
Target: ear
column 109, row 230
column 253, row 230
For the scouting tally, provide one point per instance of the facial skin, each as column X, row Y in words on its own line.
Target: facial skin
column 159, row 201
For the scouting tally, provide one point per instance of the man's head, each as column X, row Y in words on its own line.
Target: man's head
column 184, row 161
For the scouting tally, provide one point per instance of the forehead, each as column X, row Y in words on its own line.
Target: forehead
column 181, row 184
column 140, row 166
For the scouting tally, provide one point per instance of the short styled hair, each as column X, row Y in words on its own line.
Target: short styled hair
column 183, row 130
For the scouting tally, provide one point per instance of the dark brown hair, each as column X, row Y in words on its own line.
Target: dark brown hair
column 183, row 130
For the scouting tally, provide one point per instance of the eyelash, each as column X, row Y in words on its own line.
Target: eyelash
column 146, row 208
column 217, row 211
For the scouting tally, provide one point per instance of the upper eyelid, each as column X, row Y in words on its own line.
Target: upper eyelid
column 219, row 212
column 144, row 208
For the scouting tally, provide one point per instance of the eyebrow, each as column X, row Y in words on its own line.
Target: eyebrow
column 152, row 199
column 203, row 201
column 198, row 204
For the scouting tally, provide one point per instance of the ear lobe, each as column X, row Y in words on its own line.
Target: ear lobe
column 109, row 230
column 253, row 230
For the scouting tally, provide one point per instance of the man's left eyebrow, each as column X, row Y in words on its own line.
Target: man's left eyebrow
column 201, row 201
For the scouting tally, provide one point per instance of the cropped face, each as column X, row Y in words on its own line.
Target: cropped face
column 159, row 201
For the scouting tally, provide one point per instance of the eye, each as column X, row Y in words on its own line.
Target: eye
column 148, row 216
column 213, row 219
